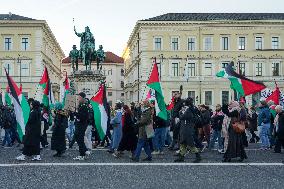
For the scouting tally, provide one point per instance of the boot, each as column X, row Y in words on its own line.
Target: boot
column 179, row 159
column 197, row 158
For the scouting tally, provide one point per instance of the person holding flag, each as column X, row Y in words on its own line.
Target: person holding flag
column 32, row 134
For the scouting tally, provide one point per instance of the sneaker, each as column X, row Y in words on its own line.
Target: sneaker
column 88, row 153
column 36, row 158
column 110, row 151
column 21, row 158
column 203, row 148
column 156, row 153
column 135, row 159
column 147, row 159
column 80, row 158
column 178, row 151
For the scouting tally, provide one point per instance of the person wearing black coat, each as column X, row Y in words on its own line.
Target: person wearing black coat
column 252, row 124
column 81, row 124
column 279, row 127
column 32, row 134
column 58, row 142
column 178, row 103
column 187, row 125
column 235, row 144
column 7, row 126
column 129, row 139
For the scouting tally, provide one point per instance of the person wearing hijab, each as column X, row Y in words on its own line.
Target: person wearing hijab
column 32, row 134
column 58, row 142
column 235, row 143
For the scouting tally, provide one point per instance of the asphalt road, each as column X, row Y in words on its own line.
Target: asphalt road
column 263, row 169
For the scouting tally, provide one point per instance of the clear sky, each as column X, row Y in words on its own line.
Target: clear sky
column 112, row 21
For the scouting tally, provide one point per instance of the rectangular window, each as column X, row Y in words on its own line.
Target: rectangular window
column 8, row 43
column 208, row 98
column 25, row 43
column 191, row 69
column 208, row 69
column 275, row 68
column 258, row 43
column 109, row 93
column 242, row 68
column 175, row 43
column 258, row 69
column 224, row 64
column 225, row 43
column 122, row 94
column 191, row 44
column 175, row 69
column 275, row 42
column 208, row 43
column 25, row 69
column 242, row 43
column 159, row 68
column 225, row 97
column 109, row 72
column 158, row 43
column 26, row 95
column 191, row 94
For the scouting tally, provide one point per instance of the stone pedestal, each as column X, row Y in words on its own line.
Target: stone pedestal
column 86, row 81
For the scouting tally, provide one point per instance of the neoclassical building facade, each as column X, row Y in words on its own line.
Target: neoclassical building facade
column 190, row 48
column 26, row 46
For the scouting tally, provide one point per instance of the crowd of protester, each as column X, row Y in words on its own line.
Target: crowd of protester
column 188, row 129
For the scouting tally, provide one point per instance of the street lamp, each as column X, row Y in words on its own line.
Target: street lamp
column 20, row 62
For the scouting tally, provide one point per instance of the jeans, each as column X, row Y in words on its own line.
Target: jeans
column 216, row 135
column 159, row 138
column 88, row 137
column 116, row 137
column 264, row 135
column 169, row 139
column 143, row 143
column 7, row 138
column 71, row 130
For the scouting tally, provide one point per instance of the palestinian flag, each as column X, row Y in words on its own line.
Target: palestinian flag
column 171, row 105
column 100, row 111
column 239, row 83
column 44, row 78
column 22, row 108
column 155, row 85
column 6, row 99
column 275, row 96
column 66, row 84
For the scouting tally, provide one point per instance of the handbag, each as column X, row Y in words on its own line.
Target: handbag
column 239, row 127
column 150, row 131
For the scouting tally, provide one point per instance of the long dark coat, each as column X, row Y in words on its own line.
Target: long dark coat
column 187, row 127
column 32, row 134
column 129, row 138
column 235, row 144
column 58, row 141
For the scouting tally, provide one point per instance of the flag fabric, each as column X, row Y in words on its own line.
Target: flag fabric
column 100, row 111
column 240, row 83
column 154, row 84
column 275, row 96
column 21, row 106
column 171, row 105
column 6, row 99
column 66, row 84
column 44, row 78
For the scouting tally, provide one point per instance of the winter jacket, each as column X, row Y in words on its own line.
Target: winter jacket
column 264, row 116
column 217, row 120
column 145, row 120
column 280, row 130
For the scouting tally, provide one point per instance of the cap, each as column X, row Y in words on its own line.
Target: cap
column 82, row 94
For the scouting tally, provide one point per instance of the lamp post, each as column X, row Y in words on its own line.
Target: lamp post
column 20, row 62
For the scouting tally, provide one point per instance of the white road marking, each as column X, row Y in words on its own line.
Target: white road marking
column 140, row 164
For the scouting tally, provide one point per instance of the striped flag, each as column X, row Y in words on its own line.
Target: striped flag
column 100, row 111
column 22, row 108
